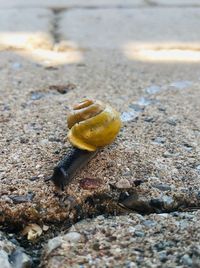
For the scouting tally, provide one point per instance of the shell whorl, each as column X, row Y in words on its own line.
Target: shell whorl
column 92, row 125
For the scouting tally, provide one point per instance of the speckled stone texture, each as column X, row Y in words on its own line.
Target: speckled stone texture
column 164, row 240
column 158, row 146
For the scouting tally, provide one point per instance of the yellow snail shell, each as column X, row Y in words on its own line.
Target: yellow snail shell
column 92, row 125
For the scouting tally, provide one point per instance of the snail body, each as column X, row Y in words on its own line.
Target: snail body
column 92, row 125
column 66, row 169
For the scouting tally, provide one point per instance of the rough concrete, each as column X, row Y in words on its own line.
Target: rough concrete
column 161, row 146
column 158, row 240
column 100, row 28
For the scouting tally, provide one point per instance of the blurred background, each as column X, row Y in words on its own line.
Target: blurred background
column 53, row 32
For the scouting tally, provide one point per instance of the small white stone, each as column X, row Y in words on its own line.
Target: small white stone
column 44, row 141
column 100, row 218
column 4, row 263
column 25, row 260
column 123, row 184
column 73, row 237
column 165, row 215
column 131, row 229
column 53, row 244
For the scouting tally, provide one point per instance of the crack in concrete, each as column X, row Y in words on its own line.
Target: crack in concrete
column 55, row 22
column 151, row 3
column 35, row 249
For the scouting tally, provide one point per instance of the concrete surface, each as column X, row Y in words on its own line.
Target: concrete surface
column 34, row 131
column 138, row 28
column 180, row 3
column 25, row 28
column 154, row 164
column 70, row 3
column 165, row 240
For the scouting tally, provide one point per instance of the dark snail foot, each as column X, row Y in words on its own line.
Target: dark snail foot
column 74, row 160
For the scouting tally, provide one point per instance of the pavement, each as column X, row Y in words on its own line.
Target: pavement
column 133, row 241
column 143, row 58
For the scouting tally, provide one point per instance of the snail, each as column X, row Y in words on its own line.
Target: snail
column 92, row 125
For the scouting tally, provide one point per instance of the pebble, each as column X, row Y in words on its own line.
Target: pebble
column 161, row 109
column 139, row 233
column 11, row 254
column 16, row 65
column 181, row 84
column 156, row 203
column 100, row 218
column 34, row 178
column 162, row 187
column 53, row 244
column 90, row 183
column 24, row 140
column 165, row 215
column 54, row 139
column 198, row 195
column 20, row 259
column 44, row 141
column 168, row 201
column 153, row 89
column 159, row 140
column 131, row 229
column 17, row 199
column 160, row 246
column 37, row 95
column 172, row 121
column 183, row 224
column 150, row 119
column 129, row 116
column 136, row 107
column 123, row 184
column 149, row 223
column 131, row 265
column 72, row 237
column 198, row 168
column 186, row 260
column 163, row 256
column 144, row 101
column 187, row 147
column 168, row 154
column 136, row 203
column 4, row 262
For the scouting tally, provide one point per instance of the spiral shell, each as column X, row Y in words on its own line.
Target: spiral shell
column 92, row 125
